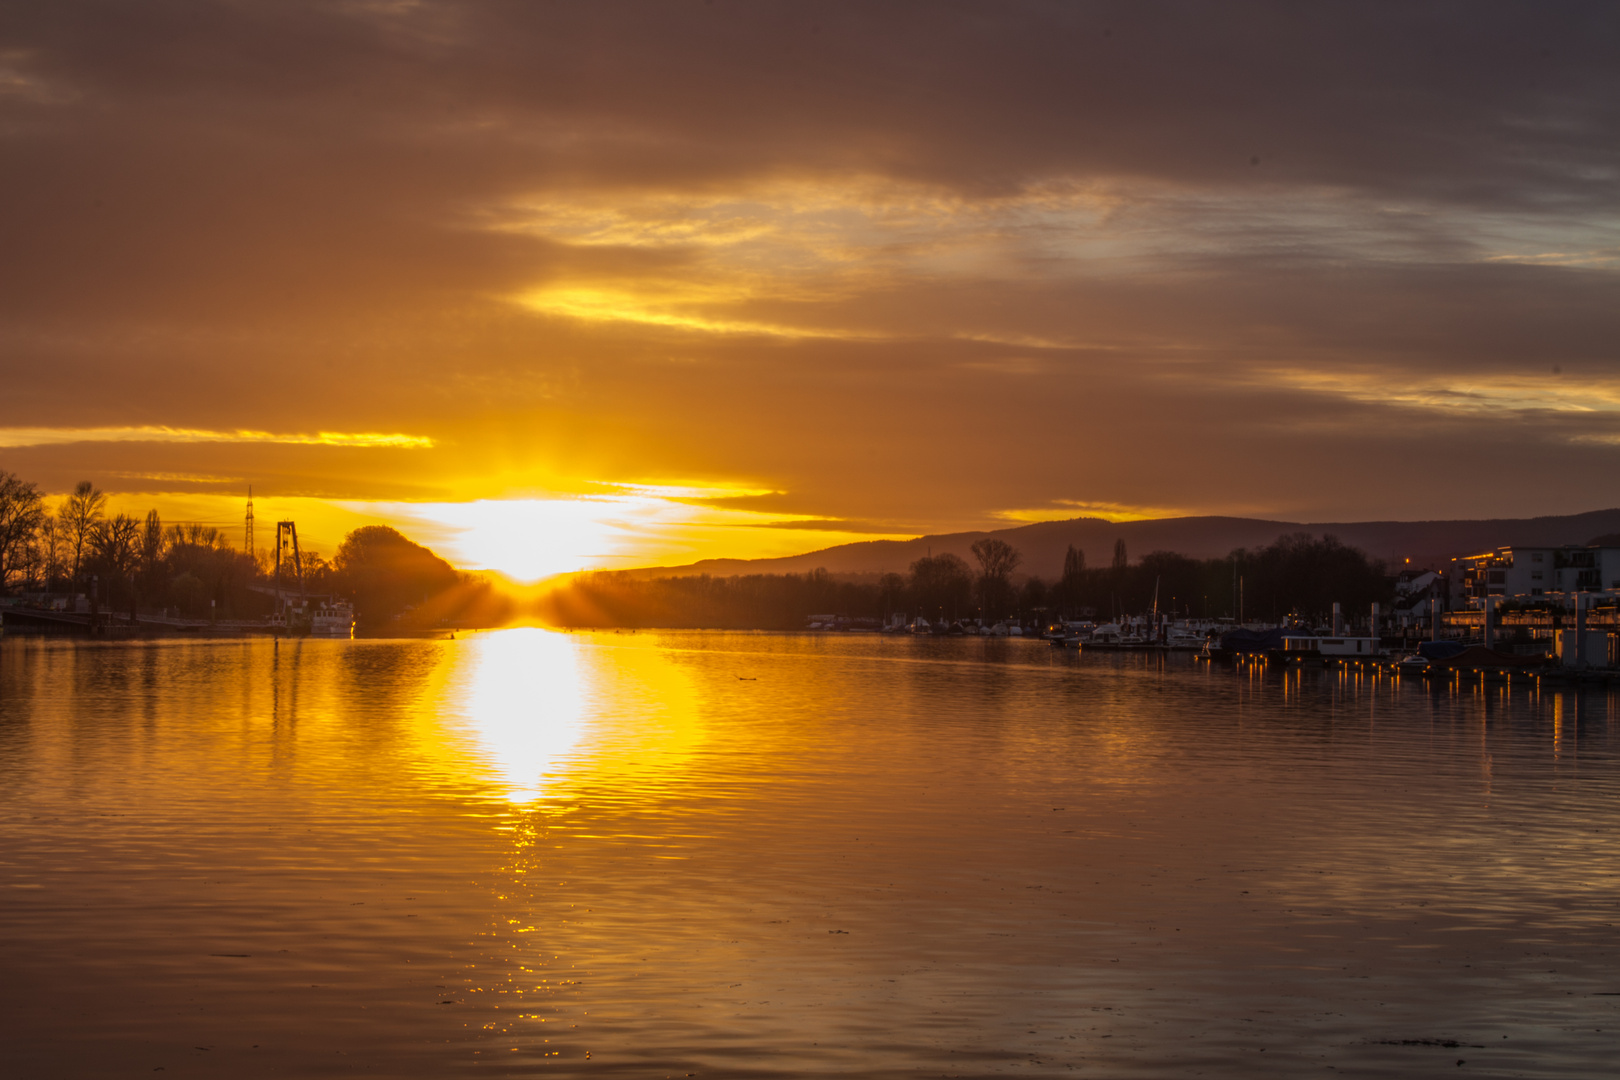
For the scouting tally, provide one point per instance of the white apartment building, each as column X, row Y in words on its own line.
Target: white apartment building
column 1529, row 573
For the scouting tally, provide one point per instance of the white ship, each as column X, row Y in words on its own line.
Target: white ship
column 334, row 619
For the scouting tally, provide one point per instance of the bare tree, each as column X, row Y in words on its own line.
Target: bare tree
column 116, row 545
column 192, row 534
column 52, row 548
column 1122, row 561
column 997, row 560
column 80, row 512
column 153, row 543
column 22, row 511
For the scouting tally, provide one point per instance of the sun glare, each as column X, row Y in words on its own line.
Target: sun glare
column 525, row 539
column 641, row 525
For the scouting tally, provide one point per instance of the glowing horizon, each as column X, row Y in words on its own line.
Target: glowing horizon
column 526, row 540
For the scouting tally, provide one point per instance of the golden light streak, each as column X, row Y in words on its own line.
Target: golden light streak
column 1472, row 394
column 53, row 436
column 1595, row 257
column 179, row 477
column 663, row 308
column 1065, row 509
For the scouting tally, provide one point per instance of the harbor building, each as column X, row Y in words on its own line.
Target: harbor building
column 1536, row 573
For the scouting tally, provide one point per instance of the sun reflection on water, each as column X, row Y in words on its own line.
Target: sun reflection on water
column 507, row 709
column 533, row 713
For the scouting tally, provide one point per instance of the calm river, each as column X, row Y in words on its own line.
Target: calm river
column 712, row 855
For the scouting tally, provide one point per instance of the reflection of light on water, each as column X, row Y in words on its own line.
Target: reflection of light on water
column 512, row 702
column 531, row 711
column 647, row 714
column 525, row 705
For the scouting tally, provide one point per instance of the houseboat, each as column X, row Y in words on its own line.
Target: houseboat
column 1298, row 646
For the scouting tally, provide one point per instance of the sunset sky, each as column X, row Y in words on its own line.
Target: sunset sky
column 564, row 285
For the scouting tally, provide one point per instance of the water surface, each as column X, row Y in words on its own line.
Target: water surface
column 537, row 854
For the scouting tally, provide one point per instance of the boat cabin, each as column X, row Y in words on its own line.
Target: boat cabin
column 1364, row 647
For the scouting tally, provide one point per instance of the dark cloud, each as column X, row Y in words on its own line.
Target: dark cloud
column 1493, row 102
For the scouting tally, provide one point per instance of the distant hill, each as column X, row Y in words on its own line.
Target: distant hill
column 1043, row 544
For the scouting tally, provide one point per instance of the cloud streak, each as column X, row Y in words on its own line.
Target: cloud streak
column 153, row 433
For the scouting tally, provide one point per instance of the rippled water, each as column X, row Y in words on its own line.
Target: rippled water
column 745, row 855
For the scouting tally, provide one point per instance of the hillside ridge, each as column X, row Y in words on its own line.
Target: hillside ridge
column 1043, row 544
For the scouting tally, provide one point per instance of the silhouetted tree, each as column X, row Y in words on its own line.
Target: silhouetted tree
column 752, row 601
column 80, row 512
column 941, row 585
column 385, row 573
column 203, row 554
column 1071, row 585
column 892, row 592
column 318, row 573
column 1034, row 595
column 997, row 560
column 188, row 594
column 153, row 544
column 115, row 552
column 53, row 551
column 1301, row 574
column 22, row 512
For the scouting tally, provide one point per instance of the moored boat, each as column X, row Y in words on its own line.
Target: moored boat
column 332, row 620
column 1414, row 664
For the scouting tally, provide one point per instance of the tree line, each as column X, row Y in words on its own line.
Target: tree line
column 1298, row 574
column 138, row 565
column 745, row 602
